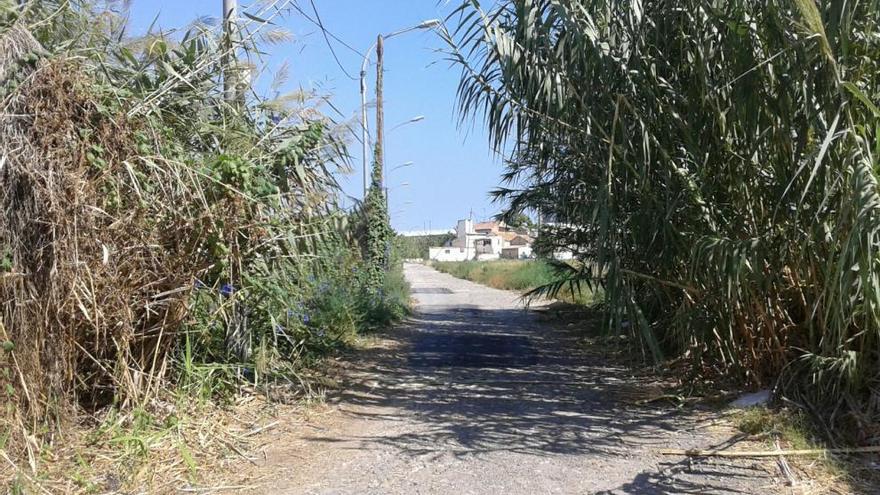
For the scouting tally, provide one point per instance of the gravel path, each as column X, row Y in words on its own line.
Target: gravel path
column 479, row 397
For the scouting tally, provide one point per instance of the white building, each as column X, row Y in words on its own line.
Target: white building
column 483, row 241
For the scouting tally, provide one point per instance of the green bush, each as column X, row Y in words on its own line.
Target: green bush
column 297, row 314
column 391, row 304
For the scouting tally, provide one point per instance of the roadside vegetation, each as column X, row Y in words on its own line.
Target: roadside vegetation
column 516, row 275
column 170, row 240
column 417, row 247
column 713, row 167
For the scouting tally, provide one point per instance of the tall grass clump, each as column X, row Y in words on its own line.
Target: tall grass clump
column 152, row 226
column 507, row 275
column 524, row 276
column 713, row 165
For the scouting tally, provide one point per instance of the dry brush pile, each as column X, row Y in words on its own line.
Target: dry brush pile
column 93, row 272
column 149, row 225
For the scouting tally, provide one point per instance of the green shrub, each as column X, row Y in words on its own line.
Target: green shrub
column 391, row 303
column 296, row 313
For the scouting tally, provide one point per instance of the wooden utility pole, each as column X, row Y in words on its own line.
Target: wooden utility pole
column 380, row 114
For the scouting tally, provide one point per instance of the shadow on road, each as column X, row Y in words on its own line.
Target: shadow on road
column 483, row 381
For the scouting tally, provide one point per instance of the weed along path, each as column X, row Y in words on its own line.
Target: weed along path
column 477, row 396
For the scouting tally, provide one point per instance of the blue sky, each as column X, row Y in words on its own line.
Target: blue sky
column 453, row 167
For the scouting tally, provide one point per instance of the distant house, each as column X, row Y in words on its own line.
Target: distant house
column 483, row 241
column 516, row 246
column 516, row 239
column 487, row 228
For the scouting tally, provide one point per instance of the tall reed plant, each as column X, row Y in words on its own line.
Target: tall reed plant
column 712, row 163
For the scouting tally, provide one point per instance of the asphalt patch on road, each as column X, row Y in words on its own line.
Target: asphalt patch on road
column 431, row 290
column 473, row 351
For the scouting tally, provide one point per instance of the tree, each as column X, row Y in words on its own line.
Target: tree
column 519, row 221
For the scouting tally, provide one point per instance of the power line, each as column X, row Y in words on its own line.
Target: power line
column 327, row 35
column 327, row 40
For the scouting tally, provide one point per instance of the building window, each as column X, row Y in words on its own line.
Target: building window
column 447, row 251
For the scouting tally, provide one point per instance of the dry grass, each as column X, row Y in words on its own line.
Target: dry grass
column 177, row 446
column 790, row 429
column 91, row 286
column 16, row 42
column 100, row 240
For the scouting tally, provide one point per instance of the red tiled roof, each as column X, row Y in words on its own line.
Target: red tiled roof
column 486, row 226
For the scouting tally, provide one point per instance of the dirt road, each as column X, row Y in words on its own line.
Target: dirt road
column 477, row 396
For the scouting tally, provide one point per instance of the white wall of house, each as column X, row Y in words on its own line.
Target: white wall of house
column 451, row 253
column 455, row 253
column 484, row 244
column 463, row 229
